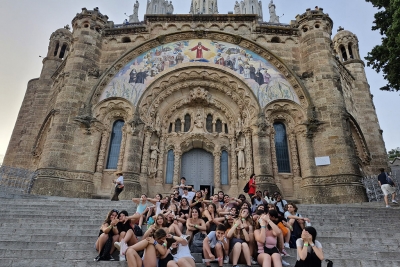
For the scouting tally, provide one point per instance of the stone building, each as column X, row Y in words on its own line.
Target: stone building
column 212, row 97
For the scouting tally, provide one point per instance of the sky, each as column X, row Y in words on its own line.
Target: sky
column 27, row 26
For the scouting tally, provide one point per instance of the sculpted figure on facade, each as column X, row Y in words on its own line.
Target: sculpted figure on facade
column 198, row 122
column 170, row 8
column 240, row 153
column 153, row 158
column 273, row 17
column 237, row 8
column 135, row 16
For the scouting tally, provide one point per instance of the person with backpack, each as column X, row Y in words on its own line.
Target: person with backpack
column 251, row 186
column 385, row 182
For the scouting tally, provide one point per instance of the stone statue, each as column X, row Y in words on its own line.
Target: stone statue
column 199, row 120
column 273, row 17
column 237, row 8
column 153, row 158
column 240, row 153
column 170, row 8
column 135, row 17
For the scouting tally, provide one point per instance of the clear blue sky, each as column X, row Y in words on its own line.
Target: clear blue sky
column 26, row 27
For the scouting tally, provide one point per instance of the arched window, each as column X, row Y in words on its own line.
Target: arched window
column 63, row 50
column 343, row 51
column 209, row 123
column 351, row 51
column 226, row 128
column 115, row 145
column 56, row 49
column 188, row 123
column 218, row 126
column 204, row 6
column 281, row 147
column 170, row 167
column 178, row 125
column 252, row 9
column 224, row 167
column 155, row 9
column 170, row 128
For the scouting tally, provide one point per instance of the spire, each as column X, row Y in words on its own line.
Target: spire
column 204, row 7
column 249, row 7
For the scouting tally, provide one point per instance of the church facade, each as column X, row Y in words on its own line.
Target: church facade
column 211, row 97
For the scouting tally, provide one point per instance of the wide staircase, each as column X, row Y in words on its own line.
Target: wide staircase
column 52, row 231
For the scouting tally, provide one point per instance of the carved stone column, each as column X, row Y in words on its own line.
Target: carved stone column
column 146, row 147
column 217, row 169
column 295, row 163
column 274, row 160
column 248, row 153
column 160, row 166
column 177, row 165
column 145, row 161
column 100, row 160
column 233, row 158
column 122, row 147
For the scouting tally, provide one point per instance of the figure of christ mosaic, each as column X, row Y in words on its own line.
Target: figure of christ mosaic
column 266, row 82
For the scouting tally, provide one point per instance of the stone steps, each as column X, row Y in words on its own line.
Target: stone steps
column 53, row 231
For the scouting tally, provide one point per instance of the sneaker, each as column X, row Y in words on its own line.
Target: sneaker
column 284, row 253
column 226, row 259
column 284, row 263
column 187, row 237
column 97, row 258
column 122, row 258
column 253, row 261
column 123, row 249
column 117, row 245
column 387, row 206
column 111, row 258
column 286, row 245
column 394, row 201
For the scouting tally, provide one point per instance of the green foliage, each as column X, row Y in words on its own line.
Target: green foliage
column 394, row 153
column 386, row 57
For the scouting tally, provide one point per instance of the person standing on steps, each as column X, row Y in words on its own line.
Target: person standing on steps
column 386, row 187
column 252, row 186
column 119, row 186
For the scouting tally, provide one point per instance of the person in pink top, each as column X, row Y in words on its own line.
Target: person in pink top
column 266, row 237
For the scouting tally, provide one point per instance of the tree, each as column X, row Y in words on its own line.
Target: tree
column 386, row 57
column 394, row 153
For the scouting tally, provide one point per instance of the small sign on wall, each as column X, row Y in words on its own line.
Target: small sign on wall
column 322, row 161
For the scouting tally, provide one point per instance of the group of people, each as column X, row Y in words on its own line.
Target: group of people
column 224, row 229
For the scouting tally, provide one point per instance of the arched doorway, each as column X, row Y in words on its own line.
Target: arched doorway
column 198, row 169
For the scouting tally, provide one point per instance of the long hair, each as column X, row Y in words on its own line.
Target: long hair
column 159, row 233
column 108, row 219
column 164, row 220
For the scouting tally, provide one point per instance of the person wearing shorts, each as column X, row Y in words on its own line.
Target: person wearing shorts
column 387, row 189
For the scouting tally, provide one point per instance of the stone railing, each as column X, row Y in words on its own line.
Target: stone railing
column 17, row 180
column 373, row 189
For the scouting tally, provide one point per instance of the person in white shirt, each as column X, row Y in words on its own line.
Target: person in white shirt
column 119, row 186
column 181, row 186
column 309, row 250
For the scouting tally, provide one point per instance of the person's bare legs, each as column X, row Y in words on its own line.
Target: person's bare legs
column 276, row 260
column 150, row 256
column 246, row 253
column 133, row 258
column 236, row 250
column 101, row 241
column 186, row 262
column 265, row 260
column 130, row 238
column 174, row 228
column 220, row 254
